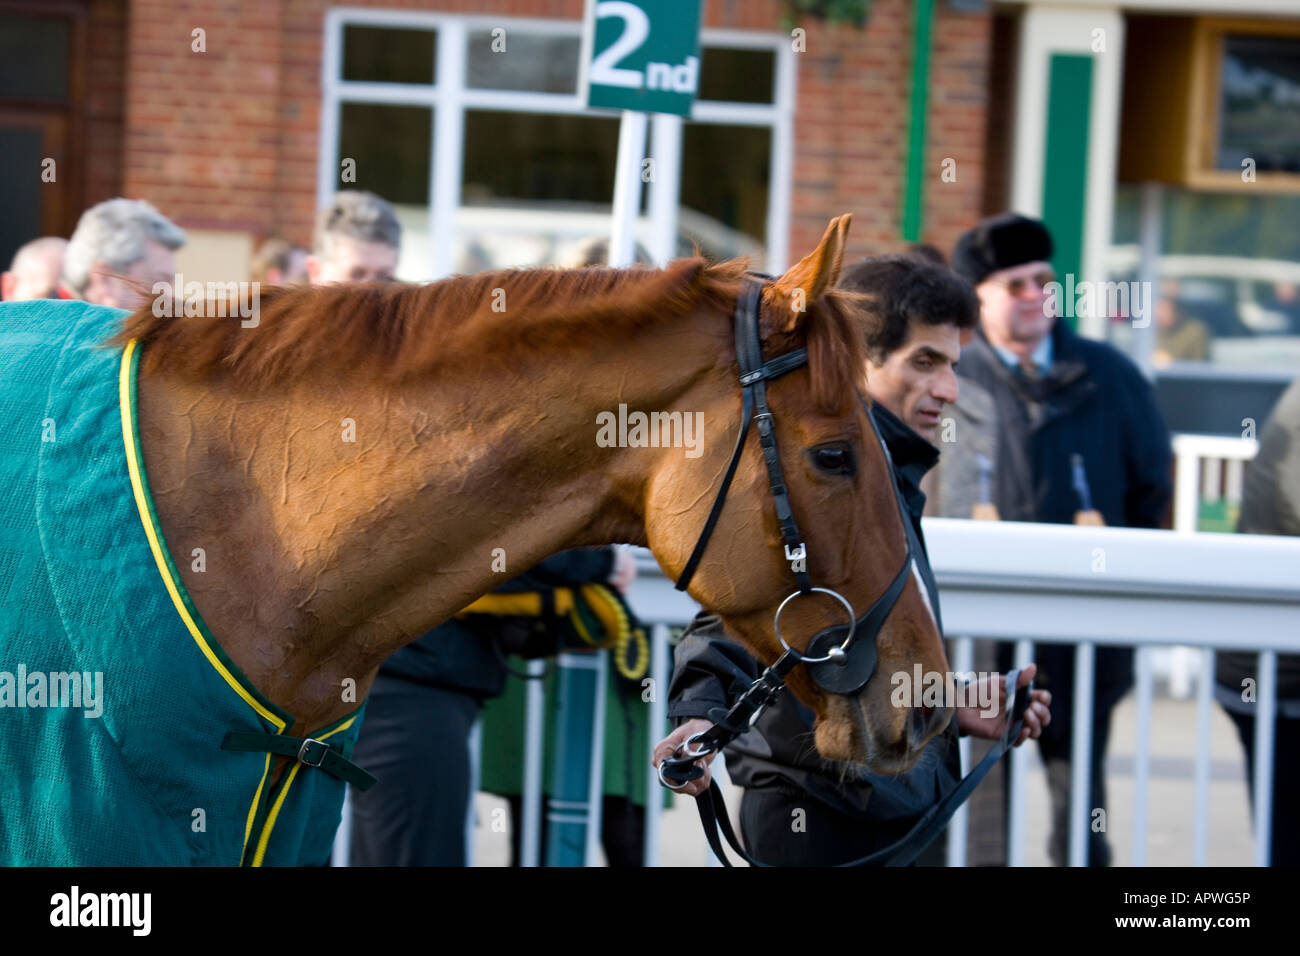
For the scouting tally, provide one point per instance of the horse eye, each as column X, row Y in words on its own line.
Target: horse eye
column 835, row 459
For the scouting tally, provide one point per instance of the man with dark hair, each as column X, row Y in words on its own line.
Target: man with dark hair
column 1079, row 440
column 846, row 812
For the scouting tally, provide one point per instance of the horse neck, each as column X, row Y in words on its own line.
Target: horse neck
column 343, row 518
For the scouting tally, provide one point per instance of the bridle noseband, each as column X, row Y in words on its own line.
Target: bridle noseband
column 839, row 659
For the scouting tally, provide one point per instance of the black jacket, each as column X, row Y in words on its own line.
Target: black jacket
column 711, row 671
column 1095, row 402
column 459, row 655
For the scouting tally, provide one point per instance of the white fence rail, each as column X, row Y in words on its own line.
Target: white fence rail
column 1093, row 587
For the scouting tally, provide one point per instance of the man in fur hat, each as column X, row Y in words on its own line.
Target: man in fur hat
column 1079, row 440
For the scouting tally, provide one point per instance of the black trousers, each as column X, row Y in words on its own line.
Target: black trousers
column 774, row 832
column 415, row 739
column 1113, row 673
column 1284, row 847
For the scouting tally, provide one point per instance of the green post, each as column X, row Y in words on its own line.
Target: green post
column 1065, row 161
column 573, row 812
column 914, row 175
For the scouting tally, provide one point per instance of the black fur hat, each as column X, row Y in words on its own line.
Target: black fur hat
column 1000, row 242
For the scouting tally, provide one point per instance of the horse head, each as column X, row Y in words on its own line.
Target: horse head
column 850, row 522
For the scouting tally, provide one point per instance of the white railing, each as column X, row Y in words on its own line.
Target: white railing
column 1092, row 587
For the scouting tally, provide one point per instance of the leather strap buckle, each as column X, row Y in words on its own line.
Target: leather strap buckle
column 302, row 752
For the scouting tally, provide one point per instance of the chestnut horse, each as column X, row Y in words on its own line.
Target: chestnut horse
column 368, row 460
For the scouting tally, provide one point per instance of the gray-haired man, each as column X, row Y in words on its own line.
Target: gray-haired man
column 357, row 240
column 120, row 249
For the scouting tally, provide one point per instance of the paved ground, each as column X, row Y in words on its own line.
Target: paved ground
column 1170, row 801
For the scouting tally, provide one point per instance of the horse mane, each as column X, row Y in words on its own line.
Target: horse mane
column 392, row 331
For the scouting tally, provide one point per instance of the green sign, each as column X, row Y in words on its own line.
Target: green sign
column 642, row 55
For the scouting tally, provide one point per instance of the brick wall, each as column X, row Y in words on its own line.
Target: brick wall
column 203, row 139
column 105, row 100
column 227, row 139
column 851, row 128
column 959, row 101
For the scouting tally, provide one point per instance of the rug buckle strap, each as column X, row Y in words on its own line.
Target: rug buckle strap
column 306, row 746
column 309, row 751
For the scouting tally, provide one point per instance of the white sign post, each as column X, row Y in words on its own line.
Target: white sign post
column 640, row 56
column 627, row 188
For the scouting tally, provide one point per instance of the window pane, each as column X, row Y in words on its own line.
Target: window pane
column 390, row 147
column 737, row 76
column 383, row 55
column 539, row 156
column 536, row 187
column 725, row 171
column 523, row 61
column 21, row 151
column 33, row 58
column 1261, row 104
column 1229, row 277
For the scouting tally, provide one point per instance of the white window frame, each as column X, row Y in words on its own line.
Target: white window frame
column 449, row 97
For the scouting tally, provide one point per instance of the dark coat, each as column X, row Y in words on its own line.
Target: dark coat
column 1095, row 402
column 712, row 671
column 460, row 654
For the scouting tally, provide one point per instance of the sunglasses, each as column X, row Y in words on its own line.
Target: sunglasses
column 1018, row 285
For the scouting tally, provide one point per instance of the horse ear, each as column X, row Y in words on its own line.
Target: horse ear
column 812, row 275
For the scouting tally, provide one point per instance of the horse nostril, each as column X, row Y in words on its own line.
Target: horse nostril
column 922, row 718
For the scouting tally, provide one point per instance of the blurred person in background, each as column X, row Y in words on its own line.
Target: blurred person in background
column 277, row 262
column 357, row 240
column 120, row 249
column 1179, row 338
column 595, row 252
column 1070, row 412
column 35, row 271
column 1270, row 504
column 1286, row 300
column 920, row 309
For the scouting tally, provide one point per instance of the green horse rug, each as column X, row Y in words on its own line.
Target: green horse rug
column 127, row 736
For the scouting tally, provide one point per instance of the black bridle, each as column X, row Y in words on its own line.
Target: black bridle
column 836, row 658
column 840, row 659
